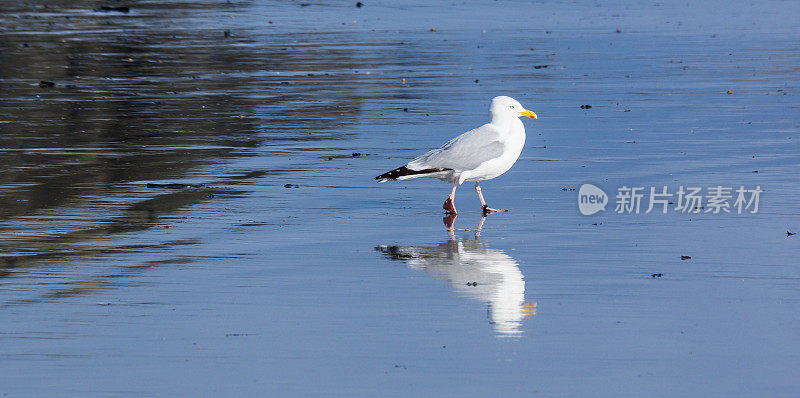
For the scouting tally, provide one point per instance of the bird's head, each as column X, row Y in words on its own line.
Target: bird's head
column 507, row 106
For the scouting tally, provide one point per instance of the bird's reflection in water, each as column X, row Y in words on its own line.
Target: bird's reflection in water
column 475, row 270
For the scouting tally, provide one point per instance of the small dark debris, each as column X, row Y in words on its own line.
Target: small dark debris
column 46, row 84
column 476, row 80
column 541, row 66
column 755, row 171
column 359, row 4
column 330, row 157
column 472, row 283
column 686, row 257
column 790, row 233
column 597, row 223
column 356, row 154
column 235, row 334
column 26, row 45
column 304, row 4
column 619, row 30
column 586, row 106
column 227, row 33
column 173, row 185
column 405, row 109
column 291, row 186
column 657, row 275
column 113, row 9
column 71, row 86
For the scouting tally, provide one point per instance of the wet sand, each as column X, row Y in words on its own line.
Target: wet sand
column 189, row 208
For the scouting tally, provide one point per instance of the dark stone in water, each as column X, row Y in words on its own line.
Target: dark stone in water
column 46, row 84
column 173, row 185
column 113, row 9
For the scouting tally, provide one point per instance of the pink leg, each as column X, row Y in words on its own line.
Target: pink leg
column 449, row 204
column 486, row 209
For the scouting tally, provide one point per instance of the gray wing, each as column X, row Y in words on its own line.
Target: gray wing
column 465, row 152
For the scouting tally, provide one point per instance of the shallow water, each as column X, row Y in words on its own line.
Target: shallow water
column 282, row 268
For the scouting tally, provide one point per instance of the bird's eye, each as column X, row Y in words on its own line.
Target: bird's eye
column 512, row 106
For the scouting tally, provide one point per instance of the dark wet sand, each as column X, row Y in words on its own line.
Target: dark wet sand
column 276, row 265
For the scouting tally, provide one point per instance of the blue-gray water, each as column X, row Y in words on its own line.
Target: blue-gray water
column 337, row 286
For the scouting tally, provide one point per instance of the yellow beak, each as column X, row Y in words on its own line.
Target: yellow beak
column 528, row 113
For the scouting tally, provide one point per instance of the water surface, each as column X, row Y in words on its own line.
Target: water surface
column 277, row 266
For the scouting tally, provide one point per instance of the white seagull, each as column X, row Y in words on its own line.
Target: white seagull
column 477, row 155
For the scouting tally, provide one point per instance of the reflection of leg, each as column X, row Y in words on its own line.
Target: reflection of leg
column 480, row 226
column 486, row 209
column 450, row 220
column 450, row 203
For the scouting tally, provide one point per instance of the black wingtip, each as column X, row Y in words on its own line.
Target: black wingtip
column 404, row 171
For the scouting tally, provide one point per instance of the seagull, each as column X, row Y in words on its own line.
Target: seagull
column 477, row 155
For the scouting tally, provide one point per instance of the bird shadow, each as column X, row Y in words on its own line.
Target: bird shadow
column 475, row 270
